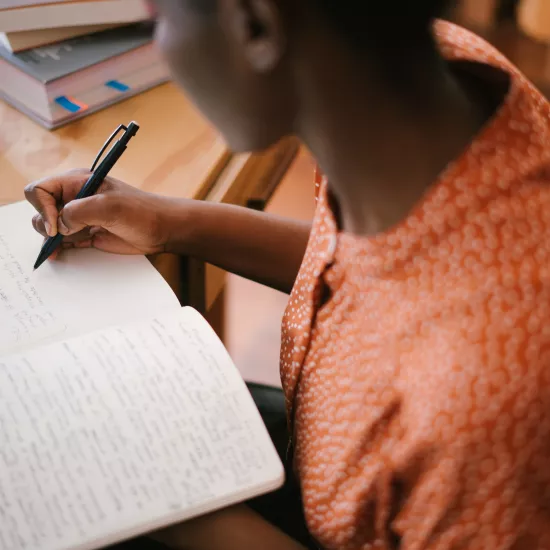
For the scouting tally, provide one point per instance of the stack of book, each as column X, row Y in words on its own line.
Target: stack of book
column 63, row 59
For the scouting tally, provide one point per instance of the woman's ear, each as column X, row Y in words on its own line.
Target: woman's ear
column 257, row 29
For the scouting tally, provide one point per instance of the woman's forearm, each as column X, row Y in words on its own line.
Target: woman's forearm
column 235, row 528
column 262, row 247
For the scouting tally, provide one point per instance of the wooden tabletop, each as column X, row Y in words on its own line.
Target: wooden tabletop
column 175, row 153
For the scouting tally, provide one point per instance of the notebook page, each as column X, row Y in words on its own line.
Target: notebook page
column 84, row 290
column 24, row 316
column 123, row 431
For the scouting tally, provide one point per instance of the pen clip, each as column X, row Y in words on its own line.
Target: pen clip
column 107, row 143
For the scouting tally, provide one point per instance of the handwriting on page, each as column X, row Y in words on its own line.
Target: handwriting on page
column 24, row 317
column 120, row 429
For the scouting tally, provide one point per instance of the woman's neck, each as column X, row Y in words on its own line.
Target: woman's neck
column 382, row 149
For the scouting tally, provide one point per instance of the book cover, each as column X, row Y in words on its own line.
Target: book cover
column 26, row 40
column 11, row 4
column 49, row 63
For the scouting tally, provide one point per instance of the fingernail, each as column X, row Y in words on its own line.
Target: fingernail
column 63, row 229
column 49, row 230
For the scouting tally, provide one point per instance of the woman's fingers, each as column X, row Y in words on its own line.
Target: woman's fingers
column 82, row 239
column 38, row 224
column 45, row 195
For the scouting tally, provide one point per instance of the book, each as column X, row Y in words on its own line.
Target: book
column 26, row 16
column 25, row 40
column 59, row 83
column 22, row 3
column 120, row 412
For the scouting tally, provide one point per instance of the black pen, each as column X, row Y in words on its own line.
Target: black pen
column 94, row 181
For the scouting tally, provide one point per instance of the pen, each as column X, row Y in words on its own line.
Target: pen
column 99, row 173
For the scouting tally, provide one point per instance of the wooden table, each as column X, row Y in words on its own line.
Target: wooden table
column 176, row 153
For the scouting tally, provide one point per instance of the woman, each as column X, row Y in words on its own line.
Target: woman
column 415, row 348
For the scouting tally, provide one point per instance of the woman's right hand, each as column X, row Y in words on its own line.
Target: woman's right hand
column 124, row 220
column 118, row 219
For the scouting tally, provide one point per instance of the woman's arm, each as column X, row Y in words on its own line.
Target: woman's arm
column 236, row 528
column 123, row 220
column 262, row 247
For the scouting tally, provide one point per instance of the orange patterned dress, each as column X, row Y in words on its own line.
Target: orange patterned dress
column 419, row 390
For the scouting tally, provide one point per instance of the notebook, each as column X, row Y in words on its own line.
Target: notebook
column 59, row 83
column 25, row 15
column 120, row 412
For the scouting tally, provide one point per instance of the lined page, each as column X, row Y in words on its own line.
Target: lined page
column 84, row 290
column 24, row 317
column 123, row 431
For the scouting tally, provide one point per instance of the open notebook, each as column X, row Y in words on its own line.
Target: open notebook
column 120, row 412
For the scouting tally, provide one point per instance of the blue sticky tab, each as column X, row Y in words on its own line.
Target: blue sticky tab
column 66, row 103
column 116, row 85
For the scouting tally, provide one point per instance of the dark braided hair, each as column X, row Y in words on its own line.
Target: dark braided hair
column 369, row 23
column 361, row 10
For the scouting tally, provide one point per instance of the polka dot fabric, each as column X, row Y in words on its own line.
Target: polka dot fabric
column 419, row 390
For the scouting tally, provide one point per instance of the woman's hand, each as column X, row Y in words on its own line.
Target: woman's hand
column 118, row 219
column 123, row 220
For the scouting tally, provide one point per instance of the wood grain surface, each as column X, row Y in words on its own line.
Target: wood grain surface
column 175, row 153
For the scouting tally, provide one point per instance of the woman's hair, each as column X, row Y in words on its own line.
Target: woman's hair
column 362, row 10
column 372, row 23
